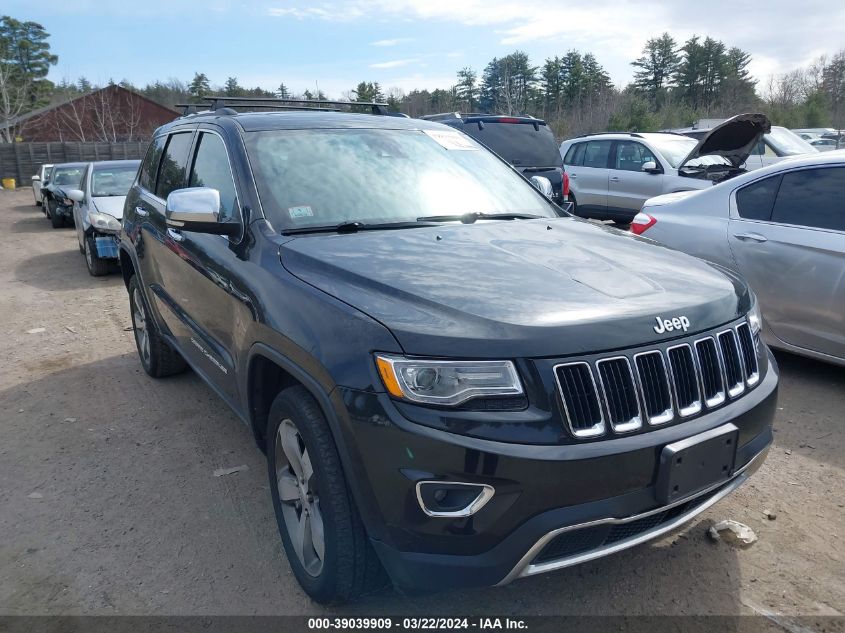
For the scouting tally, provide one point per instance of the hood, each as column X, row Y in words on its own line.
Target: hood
column 734, row 139
column 515, row 289
column 112, row 205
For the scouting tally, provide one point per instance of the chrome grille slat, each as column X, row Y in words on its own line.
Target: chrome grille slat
column 712, row 374
column 620, row 396
column 749, row 354
column 684, row 379
column 581, row 404
column 733, row 363
column 654, row 387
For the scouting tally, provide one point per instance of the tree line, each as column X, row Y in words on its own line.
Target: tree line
column 674, row 83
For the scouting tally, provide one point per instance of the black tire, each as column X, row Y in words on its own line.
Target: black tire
column 97, row 266
column 56, row 218
column 349, row 567
column 45, row 207
column 574, row 209
column 157, row 357
column 38, row 203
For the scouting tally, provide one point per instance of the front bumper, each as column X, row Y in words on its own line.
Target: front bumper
column 591, row 499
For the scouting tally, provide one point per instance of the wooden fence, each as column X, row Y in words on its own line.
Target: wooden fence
column 22, row 160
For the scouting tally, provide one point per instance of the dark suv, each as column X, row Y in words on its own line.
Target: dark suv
column 525, row 142
column 453, row 383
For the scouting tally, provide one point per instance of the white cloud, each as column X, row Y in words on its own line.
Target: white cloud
column 393, row 42
column 396, row 63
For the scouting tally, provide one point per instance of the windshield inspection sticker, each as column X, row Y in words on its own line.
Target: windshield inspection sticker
column 300, row 212
column 451, row 140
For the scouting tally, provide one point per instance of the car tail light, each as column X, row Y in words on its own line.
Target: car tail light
column 565, row 190
column 642, row 222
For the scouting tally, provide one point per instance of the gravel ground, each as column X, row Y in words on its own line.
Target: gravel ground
column 108, row 504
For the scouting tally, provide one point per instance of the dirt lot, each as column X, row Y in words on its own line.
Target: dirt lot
column 108, row 504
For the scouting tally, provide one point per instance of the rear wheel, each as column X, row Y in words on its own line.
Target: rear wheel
column 323, row 536
column 574, row 209
column 157, row 357
column 97, row 266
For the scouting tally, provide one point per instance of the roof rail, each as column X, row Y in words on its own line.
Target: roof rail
column 271, row 103
column 634, row 134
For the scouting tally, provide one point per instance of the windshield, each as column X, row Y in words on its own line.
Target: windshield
column 327, row 177
column 518, row 143
column 787, row 143
column 676, row 148
column 67, row 176
column 112, row 181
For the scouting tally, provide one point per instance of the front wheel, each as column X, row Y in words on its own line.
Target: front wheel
column 97, row 266
column 323, row 536
column 56, row 218
column 157, row 357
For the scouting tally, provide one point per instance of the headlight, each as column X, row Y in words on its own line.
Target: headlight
column 755, row 318
column 103, row 221
column 447, row 382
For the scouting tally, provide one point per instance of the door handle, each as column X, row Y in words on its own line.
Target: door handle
column 573, row 176
column 176, row 236
column 142, row 211
column 614, row 179
column 751, row 237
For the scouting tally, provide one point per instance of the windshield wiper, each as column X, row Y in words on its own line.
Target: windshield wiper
column 354, row 227
column 470, row 218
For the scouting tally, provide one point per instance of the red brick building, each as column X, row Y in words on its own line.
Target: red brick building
column 112, row 114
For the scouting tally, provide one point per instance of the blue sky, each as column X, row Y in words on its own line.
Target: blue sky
column 402, row 43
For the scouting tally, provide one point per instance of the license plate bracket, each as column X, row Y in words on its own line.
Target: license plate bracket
column 696, row 463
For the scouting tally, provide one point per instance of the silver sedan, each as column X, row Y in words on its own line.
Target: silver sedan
column 783, row 229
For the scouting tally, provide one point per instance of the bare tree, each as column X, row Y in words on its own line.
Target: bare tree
column 13, row 99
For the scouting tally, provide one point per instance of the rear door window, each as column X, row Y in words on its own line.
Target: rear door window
column 575, row 155
column 171, row 172
column 755, row 201
column 596, row 154
column 518, row 143
column 813, row 198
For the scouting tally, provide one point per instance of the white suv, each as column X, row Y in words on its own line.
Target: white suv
column 611, row 175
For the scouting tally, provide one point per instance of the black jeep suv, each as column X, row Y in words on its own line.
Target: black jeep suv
column 453, row 383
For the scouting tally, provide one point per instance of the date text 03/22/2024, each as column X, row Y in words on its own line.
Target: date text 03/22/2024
column 415, row 624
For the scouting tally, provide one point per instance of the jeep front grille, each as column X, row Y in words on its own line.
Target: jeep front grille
column 658, row 386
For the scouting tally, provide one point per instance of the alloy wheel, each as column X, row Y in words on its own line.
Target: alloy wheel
column 139, row 321
column 298, row 498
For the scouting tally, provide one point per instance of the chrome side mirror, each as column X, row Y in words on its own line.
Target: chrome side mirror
column 76, row 195
column 543, row 184
column 197, row 209
column 650, row 167
column 36, row 177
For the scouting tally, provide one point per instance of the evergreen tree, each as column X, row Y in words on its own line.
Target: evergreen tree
column 466, row 89
column 199, row 88
column 231, row 88
column 282, row 92
column 25, row 60
column 658, row 65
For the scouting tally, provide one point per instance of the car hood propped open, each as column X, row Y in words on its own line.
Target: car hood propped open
column 734, row 139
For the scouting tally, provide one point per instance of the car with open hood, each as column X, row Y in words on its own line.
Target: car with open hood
column 612, row 174
column 454, row 381
column 772, row 147
column 98, row 210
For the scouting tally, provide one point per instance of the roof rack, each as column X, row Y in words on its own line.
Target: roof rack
column 634, row 134
column 226, row 105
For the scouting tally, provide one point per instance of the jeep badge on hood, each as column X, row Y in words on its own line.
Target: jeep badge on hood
column 669, row 325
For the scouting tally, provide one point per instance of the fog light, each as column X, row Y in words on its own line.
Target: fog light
column 452, row 499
